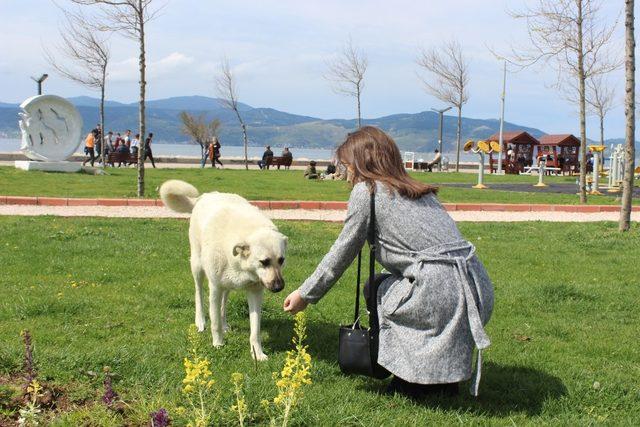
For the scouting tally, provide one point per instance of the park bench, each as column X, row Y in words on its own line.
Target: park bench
column 126, row 158
column 529, row 169
column 279, row 161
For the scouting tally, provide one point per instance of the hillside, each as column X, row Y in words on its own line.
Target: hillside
column 417, row 132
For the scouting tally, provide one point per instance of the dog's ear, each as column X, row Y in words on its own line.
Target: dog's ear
column 241, row 249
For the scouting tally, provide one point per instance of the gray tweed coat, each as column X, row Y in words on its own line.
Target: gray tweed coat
column 433, row 307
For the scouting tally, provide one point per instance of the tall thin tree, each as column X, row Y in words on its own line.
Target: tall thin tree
column 227, row 92
column 570, row 36
column 630, row 116
column 346, row 74
column 130, row 17
column 447, row 80
column 84, row 58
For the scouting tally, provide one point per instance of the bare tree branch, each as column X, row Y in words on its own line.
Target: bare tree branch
column 447, row 79
column 346, row 74
column 129, row 17
column 200, row 131
column 228, row 94
column 570, row 37
column 85, row 59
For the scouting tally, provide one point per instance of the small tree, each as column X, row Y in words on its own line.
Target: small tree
column 346, row 73
column 86, row 58
column 630, row 115
column 227, row 92
column 200, row 131
column 601, row 99
column 569, row 35
column 130, row 17
column 448, row 80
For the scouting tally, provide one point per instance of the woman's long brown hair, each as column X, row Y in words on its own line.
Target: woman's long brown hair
column 373, row 156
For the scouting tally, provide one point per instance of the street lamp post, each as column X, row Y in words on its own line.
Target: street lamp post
column 39, row 80
column 440, row 113
column 504, row 87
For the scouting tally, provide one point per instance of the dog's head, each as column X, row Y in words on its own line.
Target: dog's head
column 263, row 253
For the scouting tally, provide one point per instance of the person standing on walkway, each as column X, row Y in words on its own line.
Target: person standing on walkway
column 147, row 150
column 214, row 152
column 436, row 297
column 89, row 146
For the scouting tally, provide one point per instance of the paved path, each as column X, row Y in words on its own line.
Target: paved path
column 558, row 188
column 301, row 214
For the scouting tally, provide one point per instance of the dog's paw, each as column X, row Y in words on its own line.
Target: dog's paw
column 200, row 326
column 258, row 355
column 218, row 341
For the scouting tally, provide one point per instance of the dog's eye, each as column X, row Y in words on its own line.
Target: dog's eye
column 265, row 262
column 281, row 260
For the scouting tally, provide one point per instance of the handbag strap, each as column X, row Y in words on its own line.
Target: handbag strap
column 371, row 234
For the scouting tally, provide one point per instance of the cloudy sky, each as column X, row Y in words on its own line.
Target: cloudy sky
column 279, row 50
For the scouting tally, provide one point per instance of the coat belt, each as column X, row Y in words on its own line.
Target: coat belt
column 441, row 254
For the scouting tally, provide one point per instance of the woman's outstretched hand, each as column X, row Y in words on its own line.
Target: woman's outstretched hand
column 294, row 303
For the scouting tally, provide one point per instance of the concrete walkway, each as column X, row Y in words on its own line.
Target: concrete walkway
column 332, row 215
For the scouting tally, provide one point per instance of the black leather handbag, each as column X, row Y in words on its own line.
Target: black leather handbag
column 358, row 351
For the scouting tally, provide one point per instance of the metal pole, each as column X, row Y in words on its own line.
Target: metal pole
column 440, row 141
column 39, row 87
column 441, row 117
column 502, row 97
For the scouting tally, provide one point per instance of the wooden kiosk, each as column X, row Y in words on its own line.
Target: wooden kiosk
column 521, row 146
column 561, row 152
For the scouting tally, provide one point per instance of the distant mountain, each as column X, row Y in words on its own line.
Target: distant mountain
column 87, row 101
column 191, row 103
column 412, row 132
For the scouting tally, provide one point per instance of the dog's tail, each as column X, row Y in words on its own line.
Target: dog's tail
column 178, row 195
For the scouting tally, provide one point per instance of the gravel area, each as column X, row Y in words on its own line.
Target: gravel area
column 300, row 214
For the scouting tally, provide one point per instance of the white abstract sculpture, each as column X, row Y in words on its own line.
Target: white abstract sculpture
column 51, row 129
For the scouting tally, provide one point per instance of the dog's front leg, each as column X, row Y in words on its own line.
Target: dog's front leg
column 215, row 300
column 254, row 297
column 198, row 277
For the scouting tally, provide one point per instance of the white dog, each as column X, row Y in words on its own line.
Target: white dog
column 236, row 247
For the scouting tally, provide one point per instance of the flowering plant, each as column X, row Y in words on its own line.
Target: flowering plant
column 198, row 381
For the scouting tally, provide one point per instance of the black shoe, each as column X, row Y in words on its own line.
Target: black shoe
column 419, row 391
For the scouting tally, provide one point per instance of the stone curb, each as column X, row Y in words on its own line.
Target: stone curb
column 312, row 205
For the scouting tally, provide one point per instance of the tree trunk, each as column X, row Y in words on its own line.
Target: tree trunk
column 601, row 115
column 583, row 109
column 102, row 144
column 245, row 139
column 458, row 136
column 358, row 101
column 630, row 116
column 143, row 83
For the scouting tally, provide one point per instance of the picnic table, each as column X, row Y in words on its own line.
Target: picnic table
column 528, row 170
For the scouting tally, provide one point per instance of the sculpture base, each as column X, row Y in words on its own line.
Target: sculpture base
column 32, row 165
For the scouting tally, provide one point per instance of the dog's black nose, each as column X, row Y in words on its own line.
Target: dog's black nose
column 276, row 287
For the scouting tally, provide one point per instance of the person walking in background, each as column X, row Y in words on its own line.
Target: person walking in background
column 89, row 145
column 214, row 152
column 147, row 150
column 263, row 164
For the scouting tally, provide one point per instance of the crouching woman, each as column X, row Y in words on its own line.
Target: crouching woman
column 435, row 298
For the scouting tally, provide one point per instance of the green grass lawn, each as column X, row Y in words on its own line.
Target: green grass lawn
column 263, row 185
column 96, row 292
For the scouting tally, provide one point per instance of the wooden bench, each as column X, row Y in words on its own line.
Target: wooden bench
column 126, row 158
column 279, row 161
